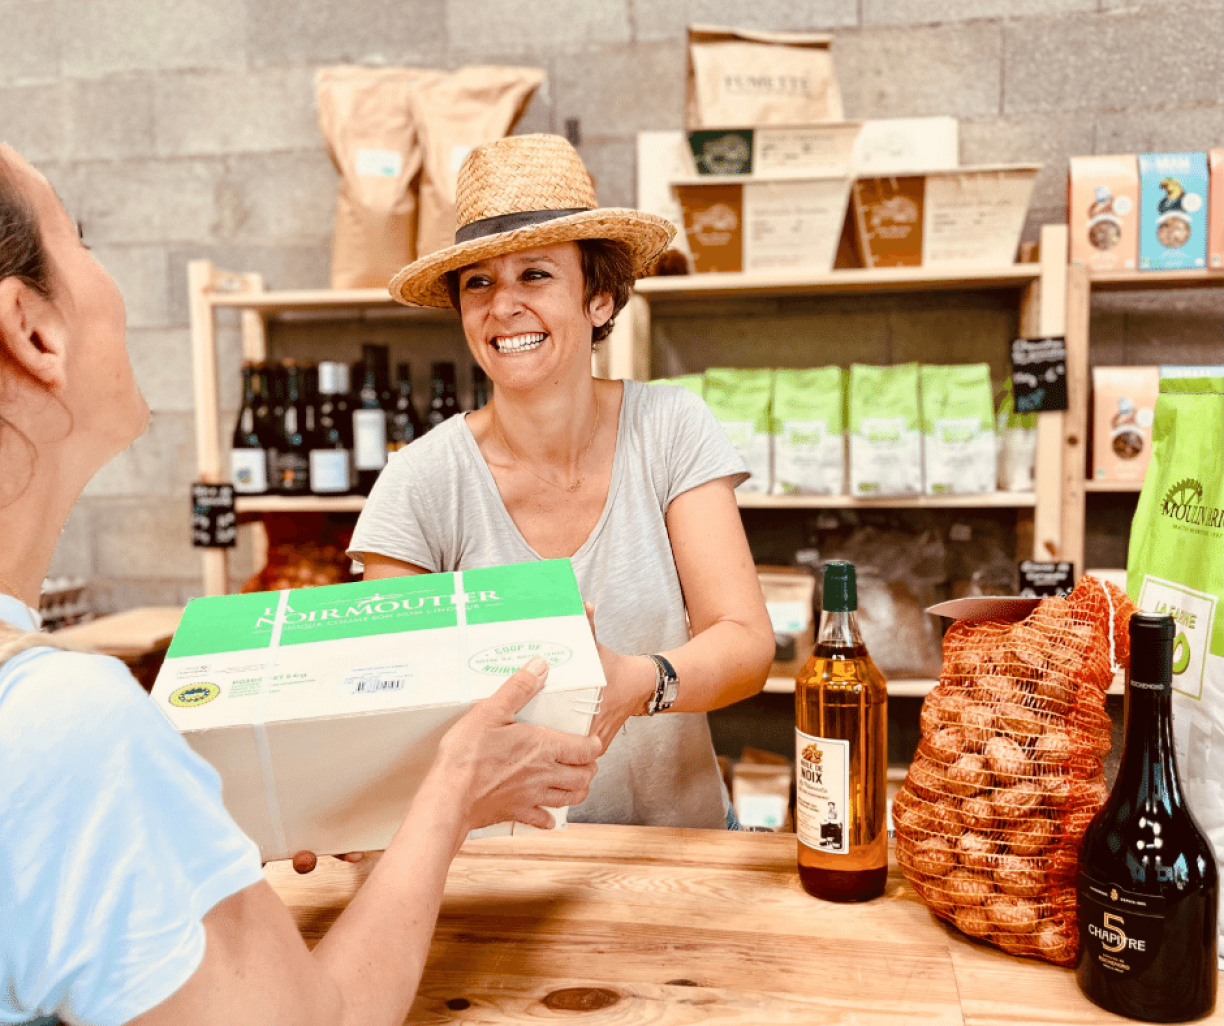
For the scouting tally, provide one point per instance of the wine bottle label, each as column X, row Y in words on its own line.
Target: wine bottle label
column 292, row 472
column 329, row 471
column 1120, row 929
column 249, row 471
column 369, row 439
column 822, row 803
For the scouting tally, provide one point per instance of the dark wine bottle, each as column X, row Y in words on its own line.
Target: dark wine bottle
column 370, row 418
column 291, row 464
column 248, row 452
column 1148, row 887
column 271, row 413
column 480, row 387
column 331, row 461
column 406, row 424
column 443, row 400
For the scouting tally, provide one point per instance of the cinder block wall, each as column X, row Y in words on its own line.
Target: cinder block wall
column 187, row 129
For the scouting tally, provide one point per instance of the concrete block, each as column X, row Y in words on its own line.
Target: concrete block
column 1155, row 131
column 160, row 463
column 283, row 267
column 952, row 70
column 539, row 115
column 613, row 166
column 161, row 360
column 74, row 551
column 29, row 44
column 343, row 32
column 926, row 12
column 521, row 26
column 142, row 274
column 278, row 197
column 32, row 119
column 224, row 112
column 776, row 15
column 968, row 328
column 1047, row 140
column 111, row 119
column 621, row 90
column 106, row 37
column 148, row 202
column 1111, row 62
column 1040, row 216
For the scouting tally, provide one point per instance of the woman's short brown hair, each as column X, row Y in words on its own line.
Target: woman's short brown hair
column 607, row 268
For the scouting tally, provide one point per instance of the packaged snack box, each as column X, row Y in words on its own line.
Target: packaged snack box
column 322, row 708
column 1124, row 404
column 1172, row 211
column 1103, row 211
column 1215, row 210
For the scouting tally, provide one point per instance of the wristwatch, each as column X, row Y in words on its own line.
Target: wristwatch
column 667, row 686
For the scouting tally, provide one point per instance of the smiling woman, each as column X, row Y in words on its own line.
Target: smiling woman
column 632, row 482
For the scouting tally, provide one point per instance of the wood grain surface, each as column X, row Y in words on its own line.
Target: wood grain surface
column 619, row 926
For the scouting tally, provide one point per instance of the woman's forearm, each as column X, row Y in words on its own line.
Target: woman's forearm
column 724, row 664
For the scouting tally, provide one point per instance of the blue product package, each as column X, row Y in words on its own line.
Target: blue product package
column 1172, row 211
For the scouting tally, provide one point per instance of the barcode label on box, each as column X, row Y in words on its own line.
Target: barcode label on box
column 368, row 683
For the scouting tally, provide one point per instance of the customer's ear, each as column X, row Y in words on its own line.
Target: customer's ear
column 600, row 309
column 32, row 333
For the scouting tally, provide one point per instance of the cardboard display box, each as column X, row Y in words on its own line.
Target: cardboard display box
column 1215, row 209
column 1124, row 406
column 969, row 217
column 322, row 708
column 898, row 145
column 1172, row 211
column 791, row 151
column 763, row 224
column 789, row 596
column 1103, row 212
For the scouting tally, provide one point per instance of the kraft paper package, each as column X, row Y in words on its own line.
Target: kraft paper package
column 959, row 447
column 1017, row 433
column 739, row 400
column 455, row 113
column 885, row 444
column 1175, row 565
column 366, row 117
column 809, row 432
column 738, row 77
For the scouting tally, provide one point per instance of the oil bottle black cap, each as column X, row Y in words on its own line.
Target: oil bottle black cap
column 840, row 591
column 1151, row 638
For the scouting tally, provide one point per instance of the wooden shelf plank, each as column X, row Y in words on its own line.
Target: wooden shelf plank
column 881, row 279
column 1127, row 280
column 1113, row 486
column 319, row 300
column 901, row 688
column 989, row 500
column 292, row 504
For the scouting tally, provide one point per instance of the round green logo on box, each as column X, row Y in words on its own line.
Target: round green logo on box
column 194, row 694
column 504, row 660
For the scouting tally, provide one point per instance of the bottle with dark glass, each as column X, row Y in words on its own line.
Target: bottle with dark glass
column 271, row 412
column 841, row 754
column 443, row 398
column 1148, row 886
column 248, row 452
column 291, row 463
column 331, row 460
column 406, row 424
column 370, row 415
column 480, row 387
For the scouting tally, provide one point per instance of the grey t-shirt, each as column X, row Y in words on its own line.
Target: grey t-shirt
column 437, row 506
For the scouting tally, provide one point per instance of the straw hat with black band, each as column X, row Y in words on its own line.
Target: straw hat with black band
column 518, row 193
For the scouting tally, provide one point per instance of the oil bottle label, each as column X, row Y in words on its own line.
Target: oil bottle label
column 822, row 803
column 1121, row 930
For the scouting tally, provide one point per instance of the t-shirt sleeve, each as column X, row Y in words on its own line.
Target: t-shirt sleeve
column 115, row 844
column 698, row 449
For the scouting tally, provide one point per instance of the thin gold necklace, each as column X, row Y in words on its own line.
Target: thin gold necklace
column 581, row 456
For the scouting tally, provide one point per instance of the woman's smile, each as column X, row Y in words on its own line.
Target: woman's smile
column 518, row 343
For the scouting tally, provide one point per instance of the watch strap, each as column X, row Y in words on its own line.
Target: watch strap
column 667, row 685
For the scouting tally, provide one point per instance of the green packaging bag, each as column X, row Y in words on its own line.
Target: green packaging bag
column 885, row 446
column 739, row 400
column 1176, row 565
column 1017, row 443
column 809, row 432
column 959, row 450
column 695, row 383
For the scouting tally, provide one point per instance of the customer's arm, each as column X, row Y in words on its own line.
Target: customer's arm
column 366, row 970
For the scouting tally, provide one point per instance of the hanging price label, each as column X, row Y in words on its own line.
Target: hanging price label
column 1039, row 374
column 214, row 524
column 1039, row 580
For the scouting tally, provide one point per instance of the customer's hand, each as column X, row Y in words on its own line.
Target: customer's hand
column 505, row 770
column 630, row 684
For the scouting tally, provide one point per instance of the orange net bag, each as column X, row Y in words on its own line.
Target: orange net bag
column 1009, row 771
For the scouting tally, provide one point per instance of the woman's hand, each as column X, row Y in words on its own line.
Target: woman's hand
column 631, row 683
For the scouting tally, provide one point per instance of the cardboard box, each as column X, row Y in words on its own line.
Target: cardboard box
column 1103, row 212
column 971, row 217
column 322, row 708
column 1172, row 211
column 903, row 145
column 760, row 224
column 1215, row 209
column 1124, row 406
column 789, row 595
column 661, row 157
column 795, row 151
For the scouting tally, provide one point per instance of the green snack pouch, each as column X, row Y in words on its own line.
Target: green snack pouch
column 809, row 432
column 958, row 437
column 1176, row 566
column 885, row 448
column 739, row 400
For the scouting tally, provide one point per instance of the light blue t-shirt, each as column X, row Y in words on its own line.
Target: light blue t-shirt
column 114, row 841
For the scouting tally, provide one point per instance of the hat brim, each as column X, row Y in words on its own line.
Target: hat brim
column 423, row 282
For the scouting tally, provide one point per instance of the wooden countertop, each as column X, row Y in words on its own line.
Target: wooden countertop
column 128, row 635
column 627, row 925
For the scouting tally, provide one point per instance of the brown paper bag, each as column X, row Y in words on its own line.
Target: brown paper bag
column 455, row 113
column 366, row 118
column 742, row 78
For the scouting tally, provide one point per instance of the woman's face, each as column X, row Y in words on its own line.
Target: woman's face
column 99, row 387
column 524, row 317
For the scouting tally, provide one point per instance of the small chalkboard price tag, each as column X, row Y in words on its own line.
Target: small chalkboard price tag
column 1039, row 374
column 214, row 524
column 1040, row 580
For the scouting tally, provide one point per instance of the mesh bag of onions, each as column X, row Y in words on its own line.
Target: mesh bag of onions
column 1009, row 772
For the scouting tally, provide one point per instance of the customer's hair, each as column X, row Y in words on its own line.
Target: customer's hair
column 22, row 254
column 607, row 267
